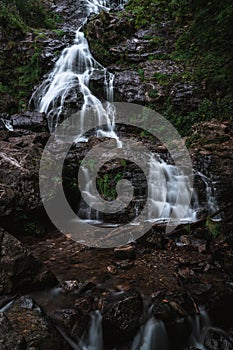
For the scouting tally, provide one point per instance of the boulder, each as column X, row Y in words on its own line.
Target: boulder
column 20, row 271
column 27, row 319
column 121, row 316
column 9, row 338
column 217, row 339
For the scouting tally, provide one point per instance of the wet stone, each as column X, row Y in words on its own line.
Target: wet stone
column 121, row 316
column 26, row 318
column 217, row 339
column 72, row 321
column 125, row 252
column 9, row 338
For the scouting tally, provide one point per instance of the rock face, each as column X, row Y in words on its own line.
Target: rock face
column 121, row 317
column 211, row 150
column 19, row 270
column 21, row 149
column 141, row 61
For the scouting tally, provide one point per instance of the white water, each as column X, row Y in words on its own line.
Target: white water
column 7, row 306
column 200, row 325
column 86, row 212
column 165, row 185
column 210, row 196
column 152, row 336
column 71, row 76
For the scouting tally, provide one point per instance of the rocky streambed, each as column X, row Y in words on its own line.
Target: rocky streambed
column 175, row 275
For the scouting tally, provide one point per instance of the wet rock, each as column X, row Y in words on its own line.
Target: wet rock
column 87, row 303
column 19, row 171
column 112, row 269
column 7, row 197
column 19, row 270
column 217, row 339
column 10, row 338
column 76, row 287
column 193, row 243
column 73, row 321
column 107, row 28
column 27, row 319
column 33, row 121
column 121, row 316
column 154, row 239
column 175, row 318
column 216, row 164
column 124, row 264
column 125, row 252
column 69, row 286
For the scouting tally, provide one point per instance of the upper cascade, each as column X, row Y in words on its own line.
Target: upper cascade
column 71, row 76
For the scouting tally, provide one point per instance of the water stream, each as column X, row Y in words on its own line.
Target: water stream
column 70, row 78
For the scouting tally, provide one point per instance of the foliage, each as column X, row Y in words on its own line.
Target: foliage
column 204, row 41
column 21, row 14
column 106, row 185
column 213, row 227
column 20, row 63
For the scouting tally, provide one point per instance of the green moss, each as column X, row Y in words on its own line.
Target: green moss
column 20, row 65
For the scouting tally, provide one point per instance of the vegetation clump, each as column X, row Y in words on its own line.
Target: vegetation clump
column 20, row 63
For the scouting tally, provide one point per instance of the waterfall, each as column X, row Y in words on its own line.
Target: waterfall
column 71, row 76
column 164, row 185
column 153, row 335
column 86, row 212
column 210, row 196
column 200, row 325
column 95, row 337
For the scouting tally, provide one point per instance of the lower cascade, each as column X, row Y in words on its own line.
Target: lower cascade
column 151, row 336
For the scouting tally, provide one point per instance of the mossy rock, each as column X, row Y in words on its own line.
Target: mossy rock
column 105, row 31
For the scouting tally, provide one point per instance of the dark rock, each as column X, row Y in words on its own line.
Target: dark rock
column 121, row 316
column 7, row 197
column 216, row 163
column 193, row 243
column 107, row 28
column 175, row 318
column 125, row 252
column 124, row 264
column 76, row 287
column 219, row 305
column 73, row 321
column 27, row 319
column 217, row 339
column 19, row 171
column 154, row 239
column 10, row 338
column 69, row 286
column 34, row 121
column 19, row 270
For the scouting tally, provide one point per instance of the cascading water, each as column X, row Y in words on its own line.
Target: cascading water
column 153, row 335
column 164, row 184
column 200, row 325
column 210, row 196
column 71, row 76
